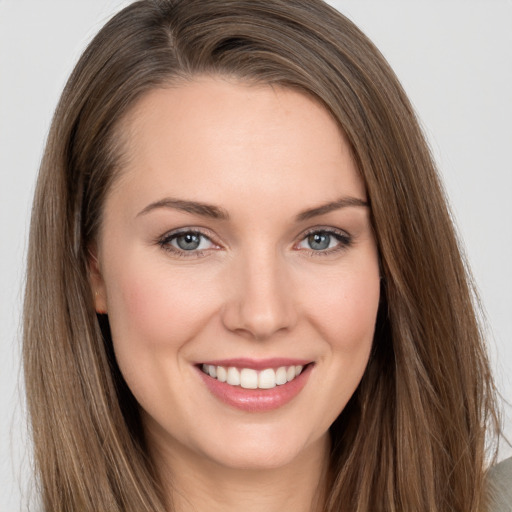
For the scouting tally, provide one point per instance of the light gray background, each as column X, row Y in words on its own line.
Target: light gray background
column 454, row 59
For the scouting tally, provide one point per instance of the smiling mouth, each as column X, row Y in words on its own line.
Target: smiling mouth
column 256, row 386
column 249, row 378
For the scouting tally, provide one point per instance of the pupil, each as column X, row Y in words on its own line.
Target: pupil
column 188, row 242
column 319, row 241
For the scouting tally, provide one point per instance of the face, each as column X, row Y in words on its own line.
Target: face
column 239, row 272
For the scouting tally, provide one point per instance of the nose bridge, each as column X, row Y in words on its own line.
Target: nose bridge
column 261, row 303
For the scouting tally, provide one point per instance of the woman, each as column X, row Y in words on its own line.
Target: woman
column 243, row 277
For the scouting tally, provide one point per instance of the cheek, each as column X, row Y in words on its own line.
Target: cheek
column 154, row 307
column 342, row 307
column 345, row 309
column 153, row 314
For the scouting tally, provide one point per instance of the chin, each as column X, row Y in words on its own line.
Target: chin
column 263, row 452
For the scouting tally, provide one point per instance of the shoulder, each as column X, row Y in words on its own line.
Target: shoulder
column 499, row 481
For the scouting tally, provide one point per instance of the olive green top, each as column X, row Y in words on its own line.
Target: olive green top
column 500, row 487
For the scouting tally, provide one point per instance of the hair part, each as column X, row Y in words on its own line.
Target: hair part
column 413, row 435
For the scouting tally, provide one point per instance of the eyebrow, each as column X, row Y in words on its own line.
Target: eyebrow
column 344, row 202
column 216, row 212
column 194, row 207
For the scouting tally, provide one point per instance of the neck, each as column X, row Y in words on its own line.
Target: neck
column 192, row 482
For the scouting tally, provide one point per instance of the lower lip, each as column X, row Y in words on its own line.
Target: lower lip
column 257, row 400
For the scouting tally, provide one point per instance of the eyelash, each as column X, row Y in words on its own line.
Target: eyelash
column 165, row 243
column 344, row 242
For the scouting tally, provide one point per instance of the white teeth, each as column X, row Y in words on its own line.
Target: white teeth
column 281, row 376
column 252, row 379
column 222, row 374
column 267, row 379
column 249, row 378
column 233, row 377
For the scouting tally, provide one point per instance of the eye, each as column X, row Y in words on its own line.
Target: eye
column 183, row 242
column 325, row 241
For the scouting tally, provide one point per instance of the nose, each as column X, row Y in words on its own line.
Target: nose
column 260, row 302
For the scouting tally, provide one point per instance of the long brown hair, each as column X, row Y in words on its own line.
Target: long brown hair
column 412, row 438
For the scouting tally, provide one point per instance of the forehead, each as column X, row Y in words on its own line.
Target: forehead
column 213, row 136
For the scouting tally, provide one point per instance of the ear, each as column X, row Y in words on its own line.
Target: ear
column 96, row 281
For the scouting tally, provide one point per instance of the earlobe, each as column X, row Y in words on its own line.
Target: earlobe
column 100, row 304
column 96, row 282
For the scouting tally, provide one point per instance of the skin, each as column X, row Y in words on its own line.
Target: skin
column 256, row 288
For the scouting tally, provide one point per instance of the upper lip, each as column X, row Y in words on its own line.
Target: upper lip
column 258, row 364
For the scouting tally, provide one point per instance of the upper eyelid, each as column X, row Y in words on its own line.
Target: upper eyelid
column 165, row 243
column 181, row 231
column 207, row 233
column 213, row 239
column 344, row 239
column 325, row 229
